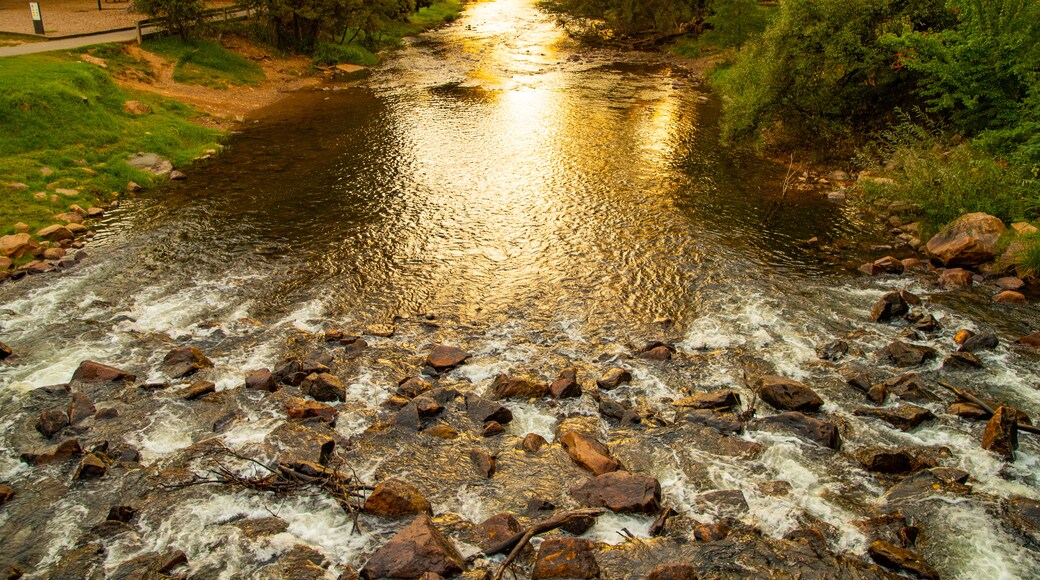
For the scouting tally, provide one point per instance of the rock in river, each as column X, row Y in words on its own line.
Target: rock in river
column 787, row 394
column 969, row 240
column 394, row 498
column 507, row 387
column 566, row 385
column 419, row 548
column 904, row 417
column 901, row 560
column 566, row 558
column 821, row 432
column 614, row 378
column 324, row 387
column 90, row 371
column 185, row 360
column 444, row 358
column 1001, row 435
column 621, row 491
column 589, row 453
column 903, row 354
column 890, row 306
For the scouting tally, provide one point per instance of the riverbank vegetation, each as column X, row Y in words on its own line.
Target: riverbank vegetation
column 941, row 97
column 64, row 128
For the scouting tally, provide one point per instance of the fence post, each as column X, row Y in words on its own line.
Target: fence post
column 140, row 39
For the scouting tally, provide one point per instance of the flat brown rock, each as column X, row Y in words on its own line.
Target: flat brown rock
column 566, row 558
column 718, row 400
column 900, row 559
column 90, row 371
column 589, row 453
column 787, row 394
column 394, row 498
column 620, row 491
column 507, row 387
column 444, row 357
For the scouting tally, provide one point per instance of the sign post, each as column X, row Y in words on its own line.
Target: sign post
column 37, row 18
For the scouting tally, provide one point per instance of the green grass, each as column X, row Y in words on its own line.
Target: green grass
column 329, row 54
column 67, row 115
column 206, row 63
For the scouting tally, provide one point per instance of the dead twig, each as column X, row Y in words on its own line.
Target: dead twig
column 517, row 542
column 657, row 528
column 966, row 396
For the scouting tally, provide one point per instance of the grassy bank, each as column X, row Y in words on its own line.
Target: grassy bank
column 63, row 126
column 206, row 63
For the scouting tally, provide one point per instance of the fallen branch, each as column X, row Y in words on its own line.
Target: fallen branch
column 658, row 526
column 966, row 396
column 517, row 542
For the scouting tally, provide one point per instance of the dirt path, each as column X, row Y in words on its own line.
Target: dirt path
column 230, row 106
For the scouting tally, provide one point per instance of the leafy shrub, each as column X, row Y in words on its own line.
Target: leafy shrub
column 330, row 54
column 178, row 17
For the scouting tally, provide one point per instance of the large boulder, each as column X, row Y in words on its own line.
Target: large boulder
column 787, row 394
column 969, row 240
column 17, row 245
column 566, row 558
column 621, row 491
column 394, row 498
column 589, row 453
column 417, row 549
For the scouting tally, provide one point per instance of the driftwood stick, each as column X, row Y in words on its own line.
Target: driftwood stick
column 662, row 519
column 965, row 395
column 520, row 539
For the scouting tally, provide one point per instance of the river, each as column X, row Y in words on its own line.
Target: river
column 497, row 186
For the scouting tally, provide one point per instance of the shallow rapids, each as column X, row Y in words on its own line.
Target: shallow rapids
column 497, row 187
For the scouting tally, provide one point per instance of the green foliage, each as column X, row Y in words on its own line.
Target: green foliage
column 329, row 54
column 179, row 17
column 630, row 17
column 818, row 73
column 984, row 72
column 946, row 176
column 734, row 21
column 1029, row 260
column 206, row 63
column 56, row 111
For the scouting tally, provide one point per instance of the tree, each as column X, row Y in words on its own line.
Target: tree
column 735, row 20
column 179, row 17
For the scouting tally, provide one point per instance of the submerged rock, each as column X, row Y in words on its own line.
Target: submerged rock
column 507, row 387
column 787, row 394
column 566, row 558
column 893, row 461
column 824, row 433
column 394, row 498
column 481, row 410
column 674, row 571
column 981, row 341
column 904, row 417
column 903, row 354
column 900, row 559
column 52, row 421
column 419, row 548
column 532, row 443
column 185, row 360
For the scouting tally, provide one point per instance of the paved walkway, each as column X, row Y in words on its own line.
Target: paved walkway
column 81, row 41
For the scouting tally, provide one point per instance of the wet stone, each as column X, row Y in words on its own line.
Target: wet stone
column 185, row 360
column 589, row 453
column 566, row 558
column 507, row 387
column 80, row 408
column 620, row 491
column 1001, row 434
column 889, row 307
column 121, row 513
column 962, row 336
column 532, row 443
column 261, row 380
column 657, row 353
column 495, row 530
column 614, row 378
column 1031, row 340
column 412, row 387
column 923, row 484
column 298, row 408
column 612, row 409
column 418, row 548
column 833, row 350
column 483, row 462
column 90, row 372
column 724, row 423
column 1023, row 514
column 968, row 411
column 6, row 493
column 324, row 387
column 981, row 341
column 787, row 394
column 903, row 354
column 904, row 417
column 823, row 433
column 52, row 421
column 892, row 461
column 723, row 502
column 197, row 390
column 710, row 532
column 492, row 428
column 292, row 443
column 674, row 571
column 910, row 387
column 900, row 559
column 719, row 400
column 5, row 351
column 962, row 361
column 566, row 385
column 444, row 357
column 91, row 467
column 394, row 498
